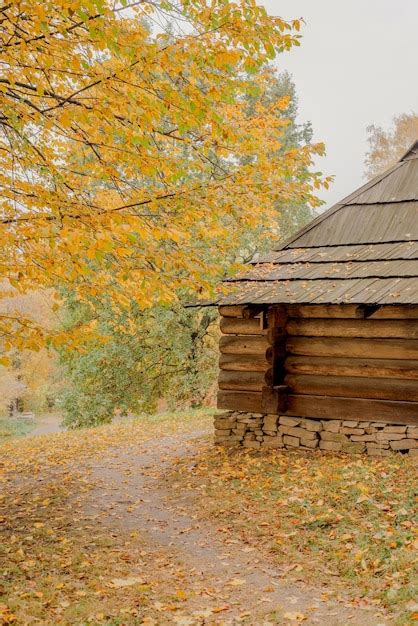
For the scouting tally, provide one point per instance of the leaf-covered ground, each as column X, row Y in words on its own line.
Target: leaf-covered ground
column 347, row 522
column 144, row 522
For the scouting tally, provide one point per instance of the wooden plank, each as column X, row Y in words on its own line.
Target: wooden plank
column 353, row 387
column 240, row 401
column 361, row 409
column 243, row 362
column 352, row 311
column 241, row 381
column 353, row 347
column 243, row 344
column 407, row 329
column 239, row 326
column 334, row 366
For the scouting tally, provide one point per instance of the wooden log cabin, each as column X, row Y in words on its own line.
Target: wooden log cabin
column 319, row 344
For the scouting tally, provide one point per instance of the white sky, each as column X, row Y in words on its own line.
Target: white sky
column 357, row 65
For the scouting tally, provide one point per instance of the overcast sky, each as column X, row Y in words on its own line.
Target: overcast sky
column 357, row 65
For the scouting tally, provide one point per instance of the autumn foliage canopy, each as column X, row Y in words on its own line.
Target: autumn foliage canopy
column 126, row 143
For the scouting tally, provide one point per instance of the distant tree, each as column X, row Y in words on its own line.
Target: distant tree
column 387, row 146
column 164, row 352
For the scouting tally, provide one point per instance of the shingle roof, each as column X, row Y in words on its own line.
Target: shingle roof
column 362, row 250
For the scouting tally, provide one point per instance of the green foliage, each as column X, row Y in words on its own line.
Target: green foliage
column 162, row 353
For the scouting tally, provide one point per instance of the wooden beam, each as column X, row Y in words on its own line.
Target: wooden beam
column 243, row 362
column 241, row 381
column 361, row 409
column 243, row 344
column 353, row 387
column 276, row 337
column 353, row 347
column 407, row 329
column 334, row 366
column 274, row 399
column 352, row 311
column 239, row 326
column 247, row 401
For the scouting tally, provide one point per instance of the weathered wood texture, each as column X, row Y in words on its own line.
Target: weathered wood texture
column 243, row 344
column 346, row 408
column 235, row 310
column 354, row 347
column 335, row 361
column 243, row 362
column 352, row 387
column 240, row 310
column 352, row 311
column 369, row 328
column 274, row 399
column 250, row 401
column 353, row 362
column 240, row 326
column 241, row 381
column 331, row 366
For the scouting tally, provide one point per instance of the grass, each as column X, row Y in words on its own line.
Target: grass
column 347, row 523
column 11, row 427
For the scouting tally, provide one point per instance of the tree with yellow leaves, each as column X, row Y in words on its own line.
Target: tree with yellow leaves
column 387, row 146
column 126, row 145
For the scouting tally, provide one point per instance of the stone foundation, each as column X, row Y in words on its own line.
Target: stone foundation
column 260, row 431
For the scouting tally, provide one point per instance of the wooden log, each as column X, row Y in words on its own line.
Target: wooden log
column 322, row 310
column 353, row 387
column 276, row 337
column 243, row 344
column 353, row 311
column 331, row 366
column 277, row 316
column 251, row 311
column 239, row 326
column 353, row 347
column 235, row 310
column 268, row 377
column 407, row 329
column 245, row 311
column 243, row 362
column 240, row 401
column 274, row 399
column 276, row 354
column 276, row 333
column 361, row 409
column 241, row 381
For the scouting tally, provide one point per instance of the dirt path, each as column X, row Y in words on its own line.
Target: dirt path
column 221, row 575
column 48, row 424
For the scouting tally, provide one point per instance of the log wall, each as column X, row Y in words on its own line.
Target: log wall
column 348, row 362
column 244, row 361
column 321, row 361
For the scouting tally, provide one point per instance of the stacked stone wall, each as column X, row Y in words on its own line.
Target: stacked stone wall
column 261, row 431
